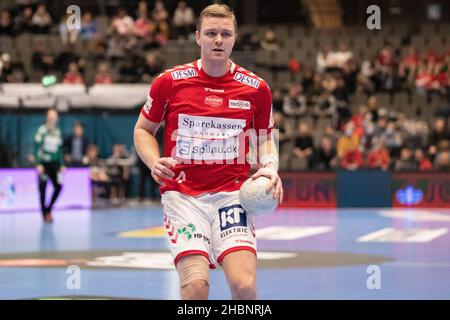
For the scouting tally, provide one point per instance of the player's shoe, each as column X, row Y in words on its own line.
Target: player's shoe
column 48, row 217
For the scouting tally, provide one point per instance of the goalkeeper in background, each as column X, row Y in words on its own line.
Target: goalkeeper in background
column 49, row 163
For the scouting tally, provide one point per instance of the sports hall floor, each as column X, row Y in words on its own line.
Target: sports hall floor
column 303, row 254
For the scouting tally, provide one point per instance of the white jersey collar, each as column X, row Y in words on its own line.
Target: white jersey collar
column 232, row 67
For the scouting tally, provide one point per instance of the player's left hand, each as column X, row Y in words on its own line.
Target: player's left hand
column 275, row 182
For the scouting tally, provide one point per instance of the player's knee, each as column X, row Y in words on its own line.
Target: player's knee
column 194, row 277
column 196, row 290
column 244, row 288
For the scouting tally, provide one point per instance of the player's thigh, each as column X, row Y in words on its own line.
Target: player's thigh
column 53, row 174
column 233, row 228
column 187, row 225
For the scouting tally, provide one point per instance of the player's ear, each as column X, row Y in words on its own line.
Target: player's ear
column 197, row 37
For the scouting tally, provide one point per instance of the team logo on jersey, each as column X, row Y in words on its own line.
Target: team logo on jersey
column 242, row 78
column 232, row 216
column 184, row 74
column 215, row 90
column 239, row 104
column 214, row 101
column 148, row 104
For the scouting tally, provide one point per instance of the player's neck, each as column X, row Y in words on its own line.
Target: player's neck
column 216, row 69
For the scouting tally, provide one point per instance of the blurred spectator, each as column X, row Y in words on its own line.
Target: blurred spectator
column 97, row 49
column 378, row 157
column 374, row 112
column 23, row 21
column 338, row 59
column 41, row 20
column 159, row 13
column 407, row 69
column 6, row 24
column 277, row 100
column 350, row 73
column 367, row 77
column 349, row 155
column 247, row 41
column 413, row 139
column 103, row 75
column 294, row 66
column 144, row 27
column 325, row 157
column 406, row 162
column 304, row 147
column 65, row 57
column 73, row 76
column 385, row 59
column 118, row 172
column 41, row 59
column 10, row 72
column 128, row 71
column 325, row 106
column 342, row 96
column 183, row 20
column 122, row 23
column 438, row 134
column 392, row 138
column 279, row 125
column 323, row 59
column 151, row 68
column 115, row 47
column 269, row 42
column 99, row 177
column 68, row 36
column 160, row 17
column 89, row 28
column 442, row 162
column 375, row 132
column 294, row 103
column 75, row 146
column 142, row 8
column 422, row 161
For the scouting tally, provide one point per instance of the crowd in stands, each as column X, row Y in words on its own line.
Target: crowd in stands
column 129, row 41
column 321, row 126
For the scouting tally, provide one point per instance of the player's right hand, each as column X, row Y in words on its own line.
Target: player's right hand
column 40, row 168
column 161, row 169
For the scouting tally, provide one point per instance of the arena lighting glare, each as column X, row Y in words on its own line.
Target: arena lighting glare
column 48, row 80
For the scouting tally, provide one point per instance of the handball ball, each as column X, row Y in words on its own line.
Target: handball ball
column 256, row 198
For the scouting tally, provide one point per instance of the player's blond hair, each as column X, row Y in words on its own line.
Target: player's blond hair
column 218, row 11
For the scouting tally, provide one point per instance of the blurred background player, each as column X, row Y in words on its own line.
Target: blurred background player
column 200, row 199
column 49, row 161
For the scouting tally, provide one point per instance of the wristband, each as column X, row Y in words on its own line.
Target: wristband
column 269, row 158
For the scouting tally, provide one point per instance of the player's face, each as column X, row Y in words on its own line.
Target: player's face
column 216, row 38
column 52, row 118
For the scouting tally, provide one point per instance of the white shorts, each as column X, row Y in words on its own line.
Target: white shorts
column 211, row 225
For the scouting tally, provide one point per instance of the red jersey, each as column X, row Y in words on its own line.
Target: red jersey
column 206, row 124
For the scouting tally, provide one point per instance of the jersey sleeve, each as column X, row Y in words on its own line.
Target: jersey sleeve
column 157, row 99
column 37, row 144
column 263, row 119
